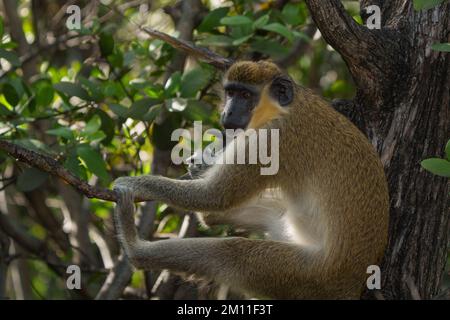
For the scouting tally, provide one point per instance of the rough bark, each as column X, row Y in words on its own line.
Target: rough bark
column 402, row 104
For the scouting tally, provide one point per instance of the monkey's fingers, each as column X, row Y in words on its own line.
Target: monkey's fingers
column 125, row 198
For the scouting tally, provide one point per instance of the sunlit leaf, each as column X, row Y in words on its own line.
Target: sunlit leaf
column 93, row 160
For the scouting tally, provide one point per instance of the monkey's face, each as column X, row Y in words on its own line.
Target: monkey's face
column 240, row 100
column 255, row 93
column 252, row 106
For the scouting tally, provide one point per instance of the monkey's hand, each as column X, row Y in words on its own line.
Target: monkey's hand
column 137, row 186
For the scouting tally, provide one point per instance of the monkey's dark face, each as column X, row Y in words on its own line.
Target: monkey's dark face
column 244, row 101
column 240, row 100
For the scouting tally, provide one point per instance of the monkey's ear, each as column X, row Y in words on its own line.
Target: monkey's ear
column 282, row 90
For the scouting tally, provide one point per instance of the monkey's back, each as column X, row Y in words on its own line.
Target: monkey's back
column 337, row 188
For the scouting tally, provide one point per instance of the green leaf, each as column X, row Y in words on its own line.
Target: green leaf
column 32, row 144
column 93, row 160
column 11, row 94
column 172, row 84
column 444, row 47
column 197, row 110
column 280, row 29
column 72, row 90
column 119, row 110
column 64, row 132
column 74, row 166
column 31, row 179
column 139, row 83
column 426, row 4
column 212, row 19
column 107, row 128
column 94, row 89
column 152, row 113
column 176, row 104
column 106, row 44
column 97, row 136
column 217, row 40
column 447, row 150
column 235, row 20
column 11, row 57
column 440, row 167
column 240, row 41
column 291, row 14
column 44, row 95
column 113, row 89
column 193, row 81
column 116, row 59
column 269, row 47
column 261, row 22
column 92, row 126
column 140, row 108
column 301, row 35
column 4, row 111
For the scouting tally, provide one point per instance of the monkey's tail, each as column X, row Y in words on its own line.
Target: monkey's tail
column 124, row 218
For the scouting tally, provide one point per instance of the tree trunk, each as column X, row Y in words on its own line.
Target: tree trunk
column 403, row 106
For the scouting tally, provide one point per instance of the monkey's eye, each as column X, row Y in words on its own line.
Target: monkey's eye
column 230, row 93
column 246, row 95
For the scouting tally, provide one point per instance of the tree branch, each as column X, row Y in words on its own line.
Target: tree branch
column 370, row 54
column 198, row 52
column 51, row 166
column 339, row 29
